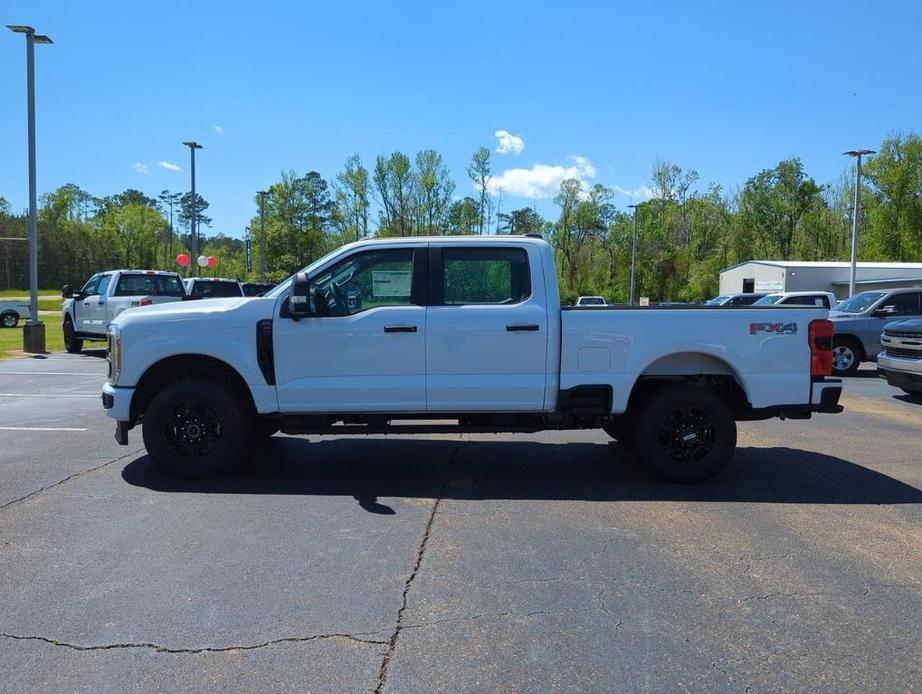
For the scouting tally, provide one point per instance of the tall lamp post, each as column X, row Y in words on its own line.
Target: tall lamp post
column 857, row 153
column 33, row 332
column 193, row 240
column 633, row 251
column 262, row 235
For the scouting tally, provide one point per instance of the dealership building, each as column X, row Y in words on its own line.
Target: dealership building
column 803, row 275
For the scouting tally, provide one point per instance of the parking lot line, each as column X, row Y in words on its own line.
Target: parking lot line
column 42, row 429
column 49, row 373
column 49, row 395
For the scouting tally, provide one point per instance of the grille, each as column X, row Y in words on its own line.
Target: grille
column 903, row 333
column 904, row 353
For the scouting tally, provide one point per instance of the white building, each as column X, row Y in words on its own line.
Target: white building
column 804, row 275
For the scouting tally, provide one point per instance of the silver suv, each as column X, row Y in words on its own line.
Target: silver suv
column 859, row 321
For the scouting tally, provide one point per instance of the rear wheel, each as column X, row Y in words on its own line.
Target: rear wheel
column 196, row 428
column 846, row 356
column 72, row 343
column 684, row 434
column 9, row 320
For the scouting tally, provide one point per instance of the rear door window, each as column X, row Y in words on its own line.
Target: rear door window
column 485, row 276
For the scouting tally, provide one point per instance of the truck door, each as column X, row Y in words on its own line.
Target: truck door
column 364, row 351
column 95, row 318
column 487, row 329
column 82, row 305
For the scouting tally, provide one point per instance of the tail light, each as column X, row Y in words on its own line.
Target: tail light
column 820, row 348
column 146, row 302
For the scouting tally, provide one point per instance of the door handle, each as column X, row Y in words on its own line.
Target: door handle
column 400, row 328
column 523, row 328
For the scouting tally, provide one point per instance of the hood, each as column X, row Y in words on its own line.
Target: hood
column 912, row 325
column 200, row 309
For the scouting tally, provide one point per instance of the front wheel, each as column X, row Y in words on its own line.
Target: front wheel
column 196, row 428
column 72, row 343
column 846, row 356
column 9, row 320
column 684, row 434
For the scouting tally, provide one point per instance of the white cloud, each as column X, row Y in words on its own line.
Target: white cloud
column 168, row 165
column 643, row 192
column 541, row 180
column 139, row 167
column 218, row 129
column 509, row 143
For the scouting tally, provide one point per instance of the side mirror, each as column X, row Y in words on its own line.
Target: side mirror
column 885, row 311
column 299, row 303
column 67, row 291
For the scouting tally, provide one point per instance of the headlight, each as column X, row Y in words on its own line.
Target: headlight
column 114, row 353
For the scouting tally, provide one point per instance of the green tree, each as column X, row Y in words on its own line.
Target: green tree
column 479, row 172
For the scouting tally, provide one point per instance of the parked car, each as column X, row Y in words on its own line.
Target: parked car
column 591, row 301
column 456, row 334
column 900, row 362
column 257, row 288
column 859, row 321
column 746, row 299
column 823, row 299
column 11, row 312
column 88, row 312
column 212, row 287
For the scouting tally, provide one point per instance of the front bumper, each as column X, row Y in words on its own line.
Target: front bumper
column 117, row 403
column 900, row 372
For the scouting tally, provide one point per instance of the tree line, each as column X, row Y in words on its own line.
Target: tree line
column 686, row 231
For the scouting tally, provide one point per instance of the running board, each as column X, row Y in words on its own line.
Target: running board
column 350, row 426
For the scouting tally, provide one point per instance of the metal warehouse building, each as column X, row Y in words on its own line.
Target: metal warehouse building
column 804, row 275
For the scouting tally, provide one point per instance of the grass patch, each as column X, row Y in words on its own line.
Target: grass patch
column 42, row 293
column 11, row 340
column 55, row 304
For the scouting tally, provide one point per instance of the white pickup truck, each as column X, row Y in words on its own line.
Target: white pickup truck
column 11, row 312
column 87, row 313
column 422, row 335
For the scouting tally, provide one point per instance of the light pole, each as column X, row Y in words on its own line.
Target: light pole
column 858, row 153
column 33, row 332
column 262, row 235
column 633, row 251
column 193, row 237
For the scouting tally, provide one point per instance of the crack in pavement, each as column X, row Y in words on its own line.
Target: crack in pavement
column 69, row 477
column 159, row 648
column 420, row 552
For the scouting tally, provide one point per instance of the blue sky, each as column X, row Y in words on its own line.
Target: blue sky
column 600, row 90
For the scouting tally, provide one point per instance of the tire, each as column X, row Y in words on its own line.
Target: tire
column 846, row 356
column 619, row 430
column 667, row 419
column 72, row 343
column 196, row 428
column 263, row 428
column 9, row 320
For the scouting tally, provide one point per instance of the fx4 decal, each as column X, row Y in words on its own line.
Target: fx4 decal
column 777, row 328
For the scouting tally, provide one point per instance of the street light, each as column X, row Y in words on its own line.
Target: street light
column 193, row 238
column 633, row 251
column 262, row 235
column 33, row 332
column 858, row 153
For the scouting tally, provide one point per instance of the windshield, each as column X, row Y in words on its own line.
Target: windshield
column 149, row 285
column 207, row 289
column 282, row 286
column 860, row 302
column 591, row 301
column 715, row 300
column 768, row 300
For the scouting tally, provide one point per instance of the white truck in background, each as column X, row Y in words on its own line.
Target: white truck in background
column 421, row 335
column 106, row 295
column 11, row 312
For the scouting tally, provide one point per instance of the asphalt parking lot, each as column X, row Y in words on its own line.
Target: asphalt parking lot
column 481, row 562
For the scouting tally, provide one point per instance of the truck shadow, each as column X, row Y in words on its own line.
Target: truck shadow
column 369, row 469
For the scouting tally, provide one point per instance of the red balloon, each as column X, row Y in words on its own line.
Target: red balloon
column 212, row 261
column 182, row 259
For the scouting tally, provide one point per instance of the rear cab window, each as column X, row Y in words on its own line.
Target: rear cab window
column 149, row 285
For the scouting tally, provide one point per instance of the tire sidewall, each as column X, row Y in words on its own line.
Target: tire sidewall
column 225, row 406
column 6, row 322
column 72, row 343
column 651, row 418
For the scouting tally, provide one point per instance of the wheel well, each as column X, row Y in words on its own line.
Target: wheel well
column 176, row 368
column 724, row 386
column 854, row 339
